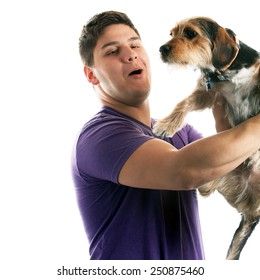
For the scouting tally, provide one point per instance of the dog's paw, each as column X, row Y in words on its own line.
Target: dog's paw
column 164, row 129
column 159, row 130
column 208, row 188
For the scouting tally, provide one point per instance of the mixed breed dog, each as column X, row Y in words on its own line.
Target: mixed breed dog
column 231, row 69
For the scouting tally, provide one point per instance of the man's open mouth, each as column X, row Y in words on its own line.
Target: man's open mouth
column 136, row 72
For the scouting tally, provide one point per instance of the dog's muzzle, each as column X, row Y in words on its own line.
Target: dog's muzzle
column 165, row 51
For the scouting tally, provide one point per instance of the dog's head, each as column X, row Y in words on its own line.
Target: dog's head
column 200, row 42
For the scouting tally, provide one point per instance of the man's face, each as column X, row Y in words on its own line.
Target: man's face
column 121, row 66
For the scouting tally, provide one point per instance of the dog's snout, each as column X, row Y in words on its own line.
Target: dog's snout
column 165, row 50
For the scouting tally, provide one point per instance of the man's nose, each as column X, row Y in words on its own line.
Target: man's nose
column 130, row 56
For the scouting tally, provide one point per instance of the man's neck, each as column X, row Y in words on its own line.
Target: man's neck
column 140, row 113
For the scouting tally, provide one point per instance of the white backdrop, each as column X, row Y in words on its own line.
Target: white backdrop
column 45, row 99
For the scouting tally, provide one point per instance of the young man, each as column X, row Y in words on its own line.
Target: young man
column 136, row 192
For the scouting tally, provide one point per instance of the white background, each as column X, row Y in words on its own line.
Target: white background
column 45, row 100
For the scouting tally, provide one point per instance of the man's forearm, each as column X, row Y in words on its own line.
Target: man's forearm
column 215, row 156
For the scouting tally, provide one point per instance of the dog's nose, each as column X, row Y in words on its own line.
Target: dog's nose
column 165, row 50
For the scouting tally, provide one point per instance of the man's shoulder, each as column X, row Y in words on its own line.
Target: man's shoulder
column 108, row 121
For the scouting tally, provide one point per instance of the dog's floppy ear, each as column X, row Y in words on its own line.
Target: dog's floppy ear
column 225, row 49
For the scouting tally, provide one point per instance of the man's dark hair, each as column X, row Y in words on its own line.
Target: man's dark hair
column 94, row 29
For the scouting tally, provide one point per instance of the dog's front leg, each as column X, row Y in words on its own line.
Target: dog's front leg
column 198, row 100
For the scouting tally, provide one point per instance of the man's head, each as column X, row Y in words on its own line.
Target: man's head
column 95, row 28
column 115, row 61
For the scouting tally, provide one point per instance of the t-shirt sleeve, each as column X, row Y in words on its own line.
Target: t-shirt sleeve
column 185, row 136
column 103, row 149
column 193, row 134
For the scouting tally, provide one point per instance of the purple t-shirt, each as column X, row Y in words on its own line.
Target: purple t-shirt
column 131, row 223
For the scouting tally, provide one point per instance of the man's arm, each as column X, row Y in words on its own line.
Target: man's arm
column 158, row 165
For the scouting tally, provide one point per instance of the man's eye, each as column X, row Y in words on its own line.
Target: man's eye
column 112, row 52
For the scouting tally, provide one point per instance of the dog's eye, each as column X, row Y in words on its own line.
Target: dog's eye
column 189, row 33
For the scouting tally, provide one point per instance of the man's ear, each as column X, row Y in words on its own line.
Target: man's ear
column 90, row 75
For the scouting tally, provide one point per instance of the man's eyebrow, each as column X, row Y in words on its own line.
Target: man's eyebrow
column 112, row 43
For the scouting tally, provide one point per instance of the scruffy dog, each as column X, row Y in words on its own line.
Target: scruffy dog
column 232, row 69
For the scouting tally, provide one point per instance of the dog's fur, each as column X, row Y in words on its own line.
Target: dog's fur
column 232, row 69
